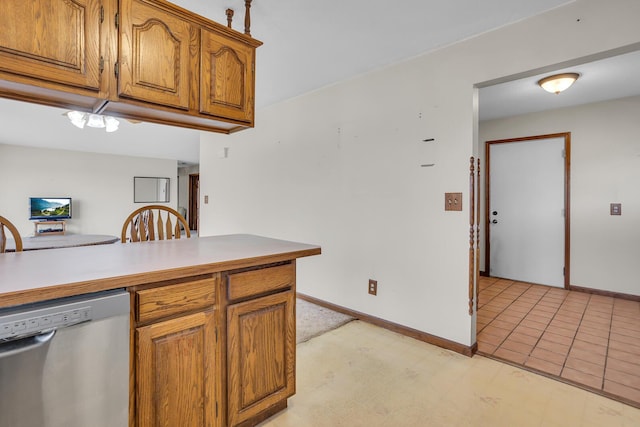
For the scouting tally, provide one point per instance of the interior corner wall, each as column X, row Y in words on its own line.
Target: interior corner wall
column 605, row 169
column 342, row 167
column 101, row 185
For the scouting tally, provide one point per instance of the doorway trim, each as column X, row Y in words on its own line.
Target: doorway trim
column 567, row 198
column 194, row 202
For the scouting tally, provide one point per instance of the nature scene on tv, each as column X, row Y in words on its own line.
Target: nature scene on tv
column 54, row 208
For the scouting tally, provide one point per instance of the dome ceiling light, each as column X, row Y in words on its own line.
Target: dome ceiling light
column 558, row 82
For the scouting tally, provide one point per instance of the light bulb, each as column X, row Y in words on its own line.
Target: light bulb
column 95, row 121
column 111, row 124
column 77, row 118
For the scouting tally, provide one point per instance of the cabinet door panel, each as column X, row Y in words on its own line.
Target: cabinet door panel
column 155, row 55
column 175, row 374
column 260, row 354
column 53, row 40
column 227, row 78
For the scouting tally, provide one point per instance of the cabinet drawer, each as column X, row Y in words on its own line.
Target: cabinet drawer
column 155, row 303
column 256, row 282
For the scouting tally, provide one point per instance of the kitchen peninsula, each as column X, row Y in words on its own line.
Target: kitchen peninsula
column 214, row 315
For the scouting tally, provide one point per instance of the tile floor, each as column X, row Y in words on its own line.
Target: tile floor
column 360, row 375
column 589, row 340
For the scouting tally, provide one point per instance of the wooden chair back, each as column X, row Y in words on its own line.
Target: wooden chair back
column 5, row 223
column 154, row 222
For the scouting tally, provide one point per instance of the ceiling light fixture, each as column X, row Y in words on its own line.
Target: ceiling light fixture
column 80, row 119
column 559, row 82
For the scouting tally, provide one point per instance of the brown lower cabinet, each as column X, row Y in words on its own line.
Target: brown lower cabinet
column 261, row 355
column 175, row 378
column 213, row 350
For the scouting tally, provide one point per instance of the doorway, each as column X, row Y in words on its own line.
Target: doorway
column 527, row 209
column 194, row 201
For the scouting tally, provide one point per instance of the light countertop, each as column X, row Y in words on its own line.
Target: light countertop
column 46, row 274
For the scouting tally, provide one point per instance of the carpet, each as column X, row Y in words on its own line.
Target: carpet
column 313, row 320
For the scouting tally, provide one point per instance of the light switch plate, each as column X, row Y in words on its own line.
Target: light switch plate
column 452, row 201
column 616, row 208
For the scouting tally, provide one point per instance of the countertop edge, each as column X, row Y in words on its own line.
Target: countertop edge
column 30, row 295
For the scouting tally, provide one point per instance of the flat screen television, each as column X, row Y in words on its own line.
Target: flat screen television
column 50, row 208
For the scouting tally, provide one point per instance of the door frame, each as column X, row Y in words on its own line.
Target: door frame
column 567, row 198
column 194, row 196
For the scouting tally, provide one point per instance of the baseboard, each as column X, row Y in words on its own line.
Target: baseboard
column 604, row 293
column 403, row 330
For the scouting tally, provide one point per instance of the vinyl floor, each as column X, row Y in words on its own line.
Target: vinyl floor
column 360, row 375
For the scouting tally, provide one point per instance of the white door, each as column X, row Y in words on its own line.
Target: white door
column 526, row 210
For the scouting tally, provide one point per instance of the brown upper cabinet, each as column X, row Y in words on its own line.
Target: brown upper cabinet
column 141, row 59
column 53, row 40
column 227, row 82
column 155, row 62
column 52, row 44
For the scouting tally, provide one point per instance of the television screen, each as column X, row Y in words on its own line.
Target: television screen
column 52, row 208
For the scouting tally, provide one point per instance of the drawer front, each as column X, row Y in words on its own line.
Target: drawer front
column 164, row 301
column 257, row 282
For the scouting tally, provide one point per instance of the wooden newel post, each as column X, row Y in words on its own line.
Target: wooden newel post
column 229, row 17
column 478, row 235
column 247, row 17
column 472, row 264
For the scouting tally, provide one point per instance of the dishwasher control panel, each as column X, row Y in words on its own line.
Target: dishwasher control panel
column 35, row 323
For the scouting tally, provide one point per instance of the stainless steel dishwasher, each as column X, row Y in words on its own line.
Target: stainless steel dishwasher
column 65, row 362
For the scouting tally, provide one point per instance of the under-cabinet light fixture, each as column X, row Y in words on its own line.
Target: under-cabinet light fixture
column 80, row 119
column 558, row 82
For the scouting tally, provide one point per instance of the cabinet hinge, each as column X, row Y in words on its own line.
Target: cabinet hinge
column 101, row 66
column 116, row 69
column 116, row 19
column 101, row 14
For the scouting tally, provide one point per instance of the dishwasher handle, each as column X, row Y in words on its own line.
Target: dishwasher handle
column 11, row 348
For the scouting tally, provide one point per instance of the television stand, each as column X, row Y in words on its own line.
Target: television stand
column 49, row 228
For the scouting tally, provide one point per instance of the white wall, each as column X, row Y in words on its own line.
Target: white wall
column 340, row 167
column 605, row 168
column 101, row 185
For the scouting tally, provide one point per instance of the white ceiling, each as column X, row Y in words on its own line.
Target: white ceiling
column 600, row 80
column 309, row 44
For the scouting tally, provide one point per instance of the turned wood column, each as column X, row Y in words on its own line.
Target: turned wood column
column 247, row 17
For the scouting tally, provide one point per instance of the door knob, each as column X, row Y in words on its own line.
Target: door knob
column 495, row 213
column 495, row 221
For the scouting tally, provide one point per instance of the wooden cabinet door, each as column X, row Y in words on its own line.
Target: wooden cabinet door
column 176, row 370
column 157, row 55
column 52, row 40
column 227, row 77
column 260, row 354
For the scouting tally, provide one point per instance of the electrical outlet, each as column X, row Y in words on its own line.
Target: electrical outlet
column 373, row 287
